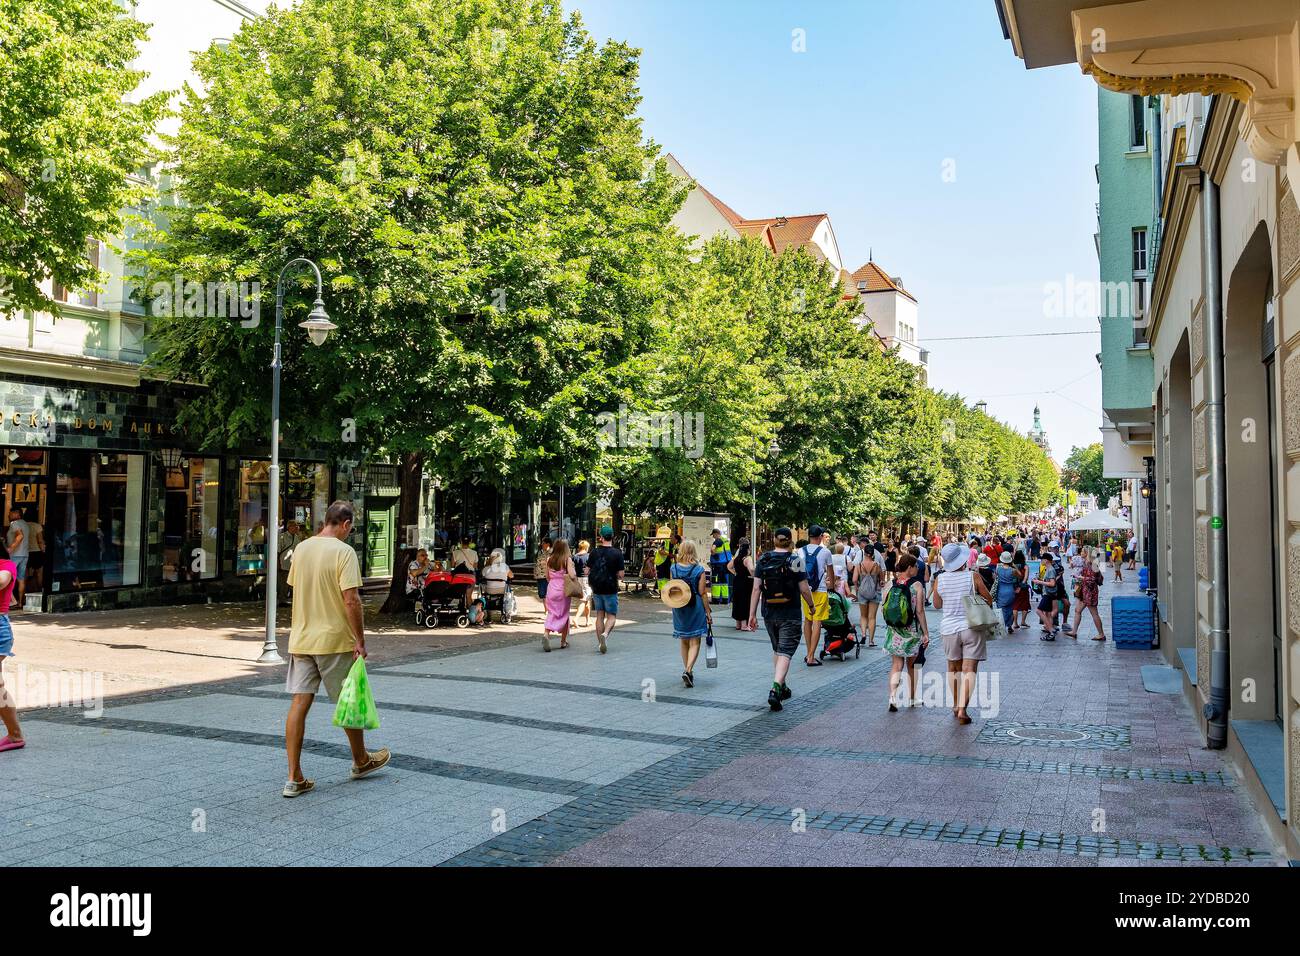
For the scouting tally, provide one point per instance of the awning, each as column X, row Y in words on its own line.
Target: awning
column 1100, row 520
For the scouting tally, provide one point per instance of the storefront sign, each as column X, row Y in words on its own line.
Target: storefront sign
column 89, row 424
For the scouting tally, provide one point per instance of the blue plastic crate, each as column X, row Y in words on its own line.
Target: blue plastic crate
column 1132, row 621
column 1131, row 602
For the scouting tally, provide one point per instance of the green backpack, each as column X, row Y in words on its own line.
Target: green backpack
column 898, row 606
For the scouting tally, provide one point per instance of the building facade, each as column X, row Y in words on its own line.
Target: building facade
column 1127, row 232
column 891, row 311
column 125, row 508
column 1223, row 328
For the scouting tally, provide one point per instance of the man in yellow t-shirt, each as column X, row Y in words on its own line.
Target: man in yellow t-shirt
column 325, row 638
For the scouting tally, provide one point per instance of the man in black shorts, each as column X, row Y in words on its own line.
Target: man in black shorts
column 782, row 586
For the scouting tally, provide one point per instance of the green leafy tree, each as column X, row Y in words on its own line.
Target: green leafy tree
column 1083, row 473
column 69, row 140
column 472, row 178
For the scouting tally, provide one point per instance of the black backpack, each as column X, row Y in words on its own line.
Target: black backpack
column 779, row 576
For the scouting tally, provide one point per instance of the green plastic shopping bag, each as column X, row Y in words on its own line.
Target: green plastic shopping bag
column 356, row 707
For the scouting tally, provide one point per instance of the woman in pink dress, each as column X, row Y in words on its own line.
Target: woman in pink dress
column 13, row 739
column 559, row 569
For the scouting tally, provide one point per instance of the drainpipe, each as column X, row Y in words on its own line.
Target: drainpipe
column 1216, row 710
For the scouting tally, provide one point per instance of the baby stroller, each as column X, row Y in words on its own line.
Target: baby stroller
column 503, row 603
column 839, row 636
column 443, row 596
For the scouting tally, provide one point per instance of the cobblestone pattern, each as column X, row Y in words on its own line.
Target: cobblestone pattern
column 950, row 832
column 1153, row 774
column 542, row 840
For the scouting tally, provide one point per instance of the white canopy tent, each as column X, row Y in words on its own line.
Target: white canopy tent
column 1100, row 520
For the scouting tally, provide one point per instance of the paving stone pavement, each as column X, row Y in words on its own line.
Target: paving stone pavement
column 506, row 755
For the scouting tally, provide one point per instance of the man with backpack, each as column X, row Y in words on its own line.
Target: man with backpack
column 781, row 584
column 604, row 571
column 821, row 579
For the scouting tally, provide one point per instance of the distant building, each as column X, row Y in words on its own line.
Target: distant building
column 891, row 311
column 1037, row 435
column 704, row 216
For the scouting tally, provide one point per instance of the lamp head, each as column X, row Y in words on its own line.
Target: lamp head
column 318, row 324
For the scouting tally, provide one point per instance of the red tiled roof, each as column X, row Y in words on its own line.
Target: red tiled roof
column 758, row 230
column 790, row 231
column 877, row 280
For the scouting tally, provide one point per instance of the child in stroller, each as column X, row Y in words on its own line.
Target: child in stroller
column 839, row 634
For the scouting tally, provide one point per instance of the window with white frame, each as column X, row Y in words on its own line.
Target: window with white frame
column 1137, row 122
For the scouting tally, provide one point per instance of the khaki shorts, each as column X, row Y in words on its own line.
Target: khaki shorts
column 308, row 671
column 966, row 645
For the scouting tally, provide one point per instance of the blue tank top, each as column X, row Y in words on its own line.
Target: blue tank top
column 690, row 621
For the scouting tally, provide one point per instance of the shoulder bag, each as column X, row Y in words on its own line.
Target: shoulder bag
column 979, row 616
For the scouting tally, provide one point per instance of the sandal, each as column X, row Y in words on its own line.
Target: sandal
column 9, row 743
column 813, row 663
column 1102, row 638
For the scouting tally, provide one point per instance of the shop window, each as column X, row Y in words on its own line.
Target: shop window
column 92, row 531
column 190, row 529
column 304, row 498
column 23, row 487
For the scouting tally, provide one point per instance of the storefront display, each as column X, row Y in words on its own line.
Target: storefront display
column 92, row 531
column 191, row 533
column 304, row 498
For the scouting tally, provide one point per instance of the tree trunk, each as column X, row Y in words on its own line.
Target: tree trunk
column 408, row 520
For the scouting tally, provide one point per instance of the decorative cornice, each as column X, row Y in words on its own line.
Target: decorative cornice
column 1211, row 84
column 77, row 368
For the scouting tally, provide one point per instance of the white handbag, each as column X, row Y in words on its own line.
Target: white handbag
column 979, row 616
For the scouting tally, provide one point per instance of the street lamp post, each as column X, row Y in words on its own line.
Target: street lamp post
column 318, row 326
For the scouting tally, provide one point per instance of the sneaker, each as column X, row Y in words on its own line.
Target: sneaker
column 378, row 761
column 546, row 643
column 774, row 699
column 601, row 639
column 296, row 788
column 786, row 692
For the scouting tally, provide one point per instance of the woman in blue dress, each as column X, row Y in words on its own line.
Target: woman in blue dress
column 692, row 621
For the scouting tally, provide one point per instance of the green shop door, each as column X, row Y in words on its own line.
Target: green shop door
column 379, row 541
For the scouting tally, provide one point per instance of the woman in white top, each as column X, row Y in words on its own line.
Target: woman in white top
column 496, row 573
column 963, row 646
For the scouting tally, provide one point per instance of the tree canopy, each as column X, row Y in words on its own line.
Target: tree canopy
column 1083, row 473
column 496, row 236
column 69, row 140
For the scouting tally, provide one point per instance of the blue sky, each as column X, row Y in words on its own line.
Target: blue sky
column 860, row 126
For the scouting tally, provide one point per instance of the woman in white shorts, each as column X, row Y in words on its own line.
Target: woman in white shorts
column 963, row 646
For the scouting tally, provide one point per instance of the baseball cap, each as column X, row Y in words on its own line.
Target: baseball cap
column 606, row 531
column 815, row 530
column 783, row 532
